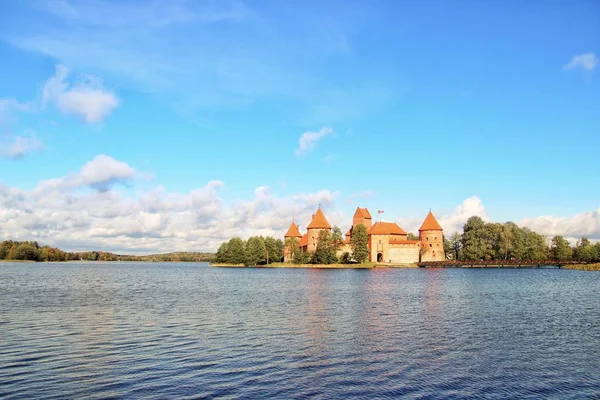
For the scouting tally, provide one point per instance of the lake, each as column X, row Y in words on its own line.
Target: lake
column 178, row 330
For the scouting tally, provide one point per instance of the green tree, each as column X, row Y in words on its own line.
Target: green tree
column 536, row 246
column 325, row 251
column 299, row 256
column 274, row 249
column 345, row 258
column 560, row 249
column 222, row 253
column 25, row 251
column 412, row 236
column 584, row 251
column 236, row 253
column 360, row 243
column 473, row 239
column 336, row 237
column 255, row 252
column 292, row 247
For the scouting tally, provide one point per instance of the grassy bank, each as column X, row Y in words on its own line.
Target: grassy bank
column 368, row 265
column 584, row 267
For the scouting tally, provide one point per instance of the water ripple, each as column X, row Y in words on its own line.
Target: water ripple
column 188, row 331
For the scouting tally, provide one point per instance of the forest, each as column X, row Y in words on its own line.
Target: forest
column 32, row 251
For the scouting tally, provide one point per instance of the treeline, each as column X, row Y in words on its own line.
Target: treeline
column 257, row 250
column 495, row 241
column 32, row 251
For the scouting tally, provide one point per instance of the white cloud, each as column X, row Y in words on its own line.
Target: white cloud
column 452, row 222
column 158, row 221
column 102, row 173
column 155, row 221
column 309, row 140
column 86, row 98
column 10, row 105
column 586, row 61
column 584, row 224
column 20, row 146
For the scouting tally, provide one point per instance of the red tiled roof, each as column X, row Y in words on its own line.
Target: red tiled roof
column 430, row 224
column 293, row 231
column 319, row 221
column 303, row 240
column 396, row 241
column 362, row 212
column 386, row 228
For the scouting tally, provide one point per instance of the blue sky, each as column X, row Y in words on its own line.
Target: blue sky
column 485, row 108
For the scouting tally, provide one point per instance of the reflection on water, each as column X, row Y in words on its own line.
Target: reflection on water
column 185, row 330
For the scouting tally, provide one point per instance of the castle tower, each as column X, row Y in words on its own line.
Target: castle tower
column 317, row 224
column 431, row 236
column 292, row 232
column 362, row 216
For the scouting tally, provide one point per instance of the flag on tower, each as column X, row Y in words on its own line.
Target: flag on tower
column 379, row 211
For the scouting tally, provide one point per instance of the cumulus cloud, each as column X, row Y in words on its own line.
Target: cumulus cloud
column 453, row 221
column 579, row 225
column 20, row 146
column 157, row 220
column 586, row 61
column 154, row 221
column 86, row 98
column 309, row 140
column 102, row 173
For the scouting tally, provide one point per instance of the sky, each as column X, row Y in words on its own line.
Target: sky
column 142, row 127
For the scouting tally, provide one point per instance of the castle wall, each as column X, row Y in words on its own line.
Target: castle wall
column 403, row 254
column 432, row 246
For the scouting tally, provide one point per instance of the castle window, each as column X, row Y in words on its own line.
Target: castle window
column 428, row 238
column 430, row 245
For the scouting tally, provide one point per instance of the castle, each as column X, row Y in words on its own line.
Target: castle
column 388, row 243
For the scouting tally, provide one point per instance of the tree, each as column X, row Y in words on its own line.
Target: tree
column 236, row 252
column 560, row 249
column 473, row 243
column 274, row 249
column 299, row 256
column 455, row 244
column 336, row 237
column 412, row 236
column 325, row 251
column 255, row 252
column 222, row 253
column 584, row 251
column 345, row 258
column 360, row 243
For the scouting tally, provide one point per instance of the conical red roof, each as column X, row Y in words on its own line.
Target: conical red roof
column 319, row 221
column 293, row 231
column 430, row 224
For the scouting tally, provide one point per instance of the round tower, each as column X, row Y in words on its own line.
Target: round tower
column 431, row 236
column 317, row 224
column 292, row 233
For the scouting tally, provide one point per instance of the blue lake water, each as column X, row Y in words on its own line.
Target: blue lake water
column 150, row 330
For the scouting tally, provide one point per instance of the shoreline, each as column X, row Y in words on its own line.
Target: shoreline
column 317, row 266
